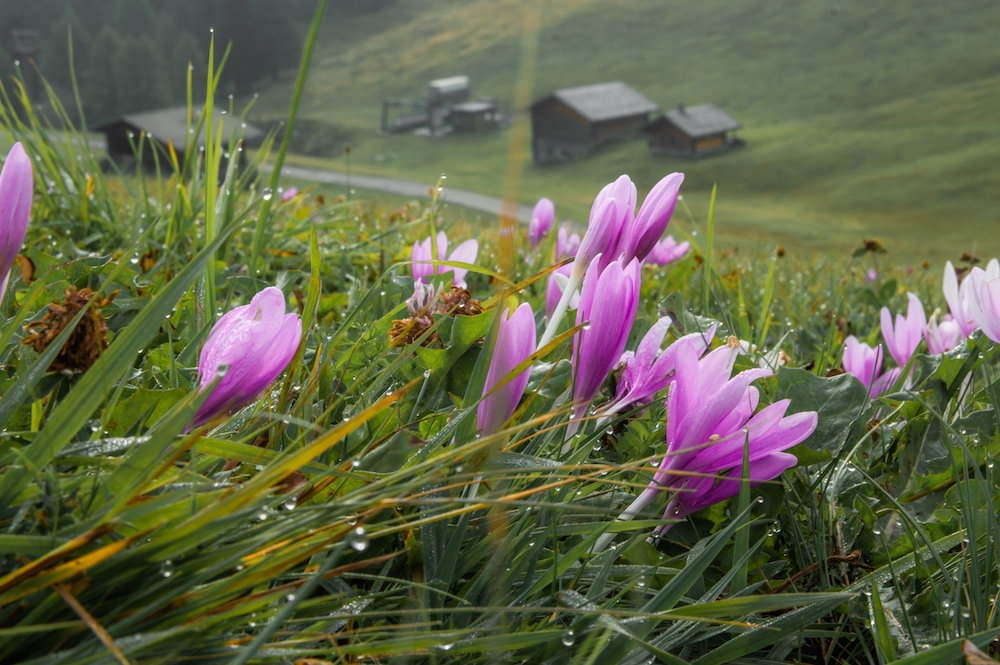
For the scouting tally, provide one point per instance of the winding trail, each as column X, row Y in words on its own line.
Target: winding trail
column 472, row 200
column 488, row 204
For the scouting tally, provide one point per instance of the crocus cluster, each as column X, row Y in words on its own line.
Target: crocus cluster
column 567, row 244
column 515, row 343
column 541, row 221
column 423, row 253
column 865, row 363
column 15, row 208
column 667, row 251
column 616, row 233
column 246, row 350
column 710, row 424
column 969, row 305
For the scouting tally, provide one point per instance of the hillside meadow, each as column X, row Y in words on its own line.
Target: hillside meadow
column 862, row 119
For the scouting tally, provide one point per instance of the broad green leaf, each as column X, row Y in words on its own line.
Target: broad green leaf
column 838, row 400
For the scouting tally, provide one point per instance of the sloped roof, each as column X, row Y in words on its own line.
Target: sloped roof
column 701, row 120
column 172, row 124
column 604, row 101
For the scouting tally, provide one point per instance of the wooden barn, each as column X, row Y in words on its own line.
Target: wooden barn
column 168, row 125
column 693, row 131
column 571, row 122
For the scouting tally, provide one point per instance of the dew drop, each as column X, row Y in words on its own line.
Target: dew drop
column 266, row 194
column 167, row 568
column 359, row 540
column 568, row 638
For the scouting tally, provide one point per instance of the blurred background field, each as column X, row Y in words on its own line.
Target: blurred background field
column 862, row 119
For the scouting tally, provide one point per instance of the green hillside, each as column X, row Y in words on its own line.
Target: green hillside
column 861, row 118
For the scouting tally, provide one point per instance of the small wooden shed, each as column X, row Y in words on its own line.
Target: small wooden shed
column 570, row 122
column 169, row 125
column 476, row 116
column 693, row 131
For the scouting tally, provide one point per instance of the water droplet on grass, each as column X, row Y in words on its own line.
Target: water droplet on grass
column 359, row 540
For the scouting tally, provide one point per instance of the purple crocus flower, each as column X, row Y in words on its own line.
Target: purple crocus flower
column 957, row 297
column 654, row 215
column 710, row 421
column 541, row 221
column 870, row 276
column 903, row 339
column 984, row 298
column 289, row 194
column 607, row 307
column 422, row 251
column 16, row 183
column 611, row 214
column 647, row 371
column 567, row 244
column 667, row 251
column 865, row 363
column 515, row 343
column 252, row 345
column 944, row 336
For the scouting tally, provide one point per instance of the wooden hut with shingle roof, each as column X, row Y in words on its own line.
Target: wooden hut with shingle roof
column 693, row 131
column 170, row 125
column 570, row 122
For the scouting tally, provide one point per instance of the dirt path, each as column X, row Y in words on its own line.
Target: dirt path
column 480, row 202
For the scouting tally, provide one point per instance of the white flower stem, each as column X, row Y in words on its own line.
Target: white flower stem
column 571, row 430
column 634, row 509
column 560, row 310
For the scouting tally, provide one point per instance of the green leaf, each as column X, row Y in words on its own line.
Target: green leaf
column 839, row 401
column 548, row 380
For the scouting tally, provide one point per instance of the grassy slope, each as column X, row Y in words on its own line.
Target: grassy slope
column 862, row 118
